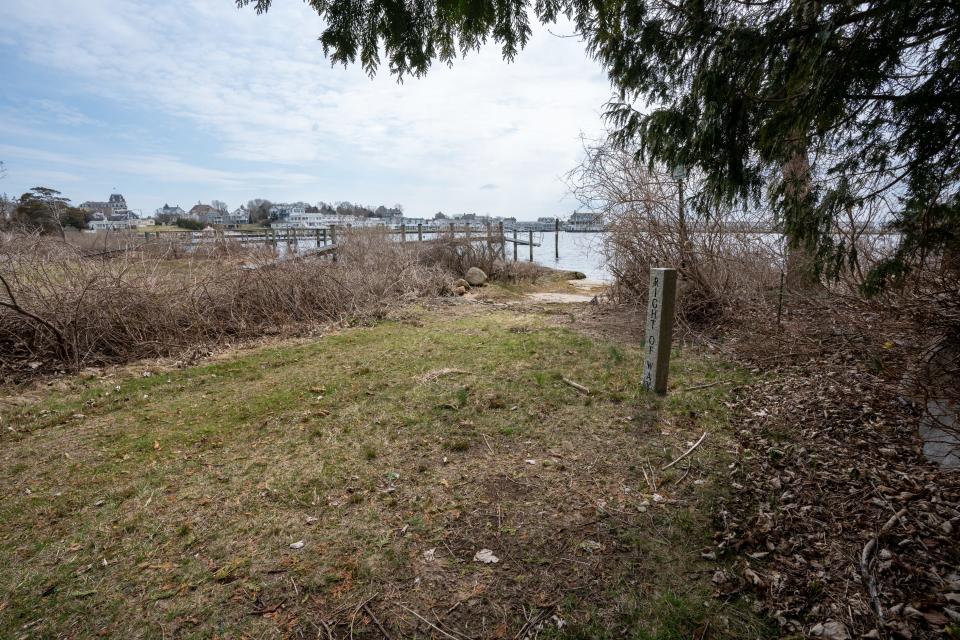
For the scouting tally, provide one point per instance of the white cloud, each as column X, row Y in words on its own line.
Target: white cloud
column 161, row 168
column 260, row 85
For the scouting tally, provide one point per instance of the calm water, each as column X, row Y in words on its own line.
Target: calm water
column 578, row 252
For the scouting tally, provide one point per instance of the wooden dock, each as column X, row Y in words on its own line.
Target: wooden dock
column 325, row 238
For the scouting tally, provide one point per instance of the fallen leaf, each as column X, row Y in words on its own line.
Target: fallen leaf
column 485, row 556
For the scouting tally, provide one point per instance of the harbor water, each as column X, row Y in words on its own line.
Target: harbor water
column 578, row 252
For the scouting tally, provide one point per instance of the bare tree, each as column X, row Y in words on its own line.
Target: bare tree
column 721, row 255
column 259, row 209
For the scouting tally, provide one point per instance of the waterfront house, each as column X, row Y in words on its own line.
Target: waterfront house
column 166, row 212
column 239, row 216
column 205, row 214
column 584, row 222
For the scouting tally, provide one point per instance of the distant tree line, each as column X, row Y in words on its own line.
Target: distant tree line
column 44, row 210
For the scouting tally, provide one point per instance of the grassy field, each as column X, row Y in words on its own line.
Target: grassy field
column 341, row 487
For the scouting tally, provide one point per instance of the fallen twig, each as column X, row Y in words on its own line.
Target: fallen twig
column 265, row 610
column 326, row 628
column 576, row 385
column 487, row 441
column 530, row 625
column 435, row 627
column 686, row 453
column 705, row 386
column 366, row 607
column 867, row 556
column 684, row 476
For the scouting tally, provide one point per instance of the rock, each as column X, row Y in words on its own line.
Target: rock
column 476, row 277
column 462, row 283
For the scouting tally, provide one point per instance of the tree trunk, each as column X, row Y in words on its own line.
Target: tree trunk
column 801, row 268
column 801, row 271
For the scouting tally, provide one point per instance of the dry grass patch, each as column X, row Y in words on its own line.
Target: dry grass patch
column 166, row 506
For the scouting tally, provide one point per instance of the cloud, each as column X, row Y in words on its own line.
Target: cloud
column 160, row 167
column 261, row 88
column 61, row 113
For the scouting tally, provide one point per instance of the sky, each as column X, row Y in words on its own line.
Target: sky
column 190, row 101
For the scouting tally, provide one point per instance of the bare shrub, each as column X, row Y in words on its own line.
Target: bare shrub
column 59, row 309
column 459, row 254
column 725, row 261
column 521, row 272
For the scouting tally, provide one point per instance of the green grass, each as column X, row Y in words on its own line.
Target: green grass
column 166, row 505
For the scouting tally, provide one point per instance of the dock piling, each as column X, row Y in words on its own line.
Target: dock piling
column 556, row 238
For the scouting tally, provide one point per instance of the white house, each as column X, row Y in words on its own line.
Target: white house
column 240, row 215
column 111, row 225
column 285, row 211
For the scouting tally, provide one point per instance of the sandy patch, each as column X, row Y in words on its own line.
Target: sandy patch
column 589, row 284
column 559, row 297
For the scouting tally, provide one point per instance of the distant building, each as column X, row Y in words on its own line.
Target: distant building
column 283, row 212
column 171, row 213
column 100, row 210
column 113, row 209
column 584, row 221
column 239, row 216
column 111, row 225
column 205, row 214
column 118, row 205
column 321, row 219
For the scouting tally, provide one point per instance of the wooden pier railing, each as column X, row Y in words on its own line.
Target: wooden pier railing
column 326, row 237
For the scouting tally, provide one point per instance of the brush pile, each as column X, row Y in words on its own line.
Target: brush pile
column 62, row 310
